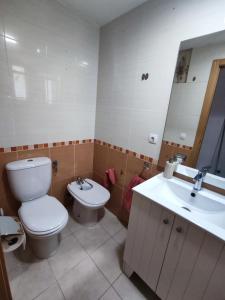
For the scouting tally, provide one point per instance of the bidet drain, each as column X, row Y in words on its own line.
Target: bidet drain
column 186, row 208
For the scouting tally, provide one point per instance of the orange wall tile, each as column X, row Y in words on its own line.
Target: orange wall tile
column 168, row 151
column 85, row 159
column 33, row 153
column 73, row 160
column 84, row 155
column 7, row 200
column 126, row 166
column 100, row 159
column 118, row 161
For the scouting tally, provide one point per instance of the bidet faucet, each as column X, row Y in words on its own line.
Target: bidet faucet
column 198, row 179
column 80, row 180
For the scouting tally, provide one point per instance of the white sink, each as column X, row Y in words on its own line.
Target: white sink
column 203, row 208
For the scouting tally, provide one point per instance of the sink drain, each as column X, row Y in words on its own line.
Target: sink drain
column 186, row 208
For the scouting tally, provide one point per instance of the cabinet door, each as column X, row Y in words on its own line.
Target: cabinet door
column 172, row 257
column 204, row 268
column 215, row 289
column 148, row 235
column 189, row 262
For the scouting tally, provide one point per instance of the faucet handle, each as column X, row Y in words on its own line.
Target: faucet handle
column 180, row 157
column 205, row 169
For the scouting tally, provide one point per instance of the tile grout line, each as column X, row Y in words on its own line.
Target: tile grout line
column 89, row 255
column 61, row 290
column 74, row 153
column 56, row 280
column 42, row 292
column 115, row 288
column 96, row 247
column 111, row 287
column 110, row 284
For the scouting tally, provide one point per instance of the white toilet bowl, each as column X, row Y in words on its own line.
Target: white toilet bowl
column 43, row 219
column 42, row 216
column 89, row 200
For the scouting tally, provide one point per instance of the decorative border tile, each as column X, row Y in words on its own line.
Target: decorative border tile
column 177, row 145
column 77, row 142
column 128, row 152
column 44, row 145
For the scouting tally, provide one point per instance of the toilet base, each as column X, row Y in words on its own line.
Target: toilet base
column 46, row 247
column 86, row 216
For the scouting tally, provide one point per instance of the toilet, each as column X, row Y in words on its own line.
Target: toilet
column 43, row 217
column 89, row 199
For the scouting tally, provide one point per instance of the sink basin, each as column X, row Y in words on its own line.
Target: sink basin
column 203, row 208
column 182, row 194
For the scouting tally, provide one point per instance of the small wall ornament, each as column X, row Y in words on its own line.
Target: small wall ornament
column 182, row 68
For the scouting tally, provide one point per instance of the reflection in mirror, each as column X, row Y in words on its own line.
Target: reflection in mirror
column 19, row 82
column 195, row 122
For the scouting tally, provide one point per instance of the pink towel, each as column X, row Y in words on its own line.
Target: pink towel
column 110, row 178
column 129, row 193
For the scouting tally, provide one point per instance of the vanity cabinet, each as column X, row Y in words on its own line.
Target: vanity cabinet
column 148, row 235
column 177, row 259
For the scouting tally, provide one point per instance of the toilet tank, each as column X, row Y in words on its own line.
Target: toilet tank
column 29, row 178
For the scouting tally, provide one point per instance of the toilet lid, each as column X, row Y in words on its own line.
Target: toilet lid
column 43, row 214
column 96, row 196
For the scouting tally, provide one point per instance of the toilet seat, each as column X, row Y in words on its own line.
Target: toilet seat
column 93, row 198
column 43, row 216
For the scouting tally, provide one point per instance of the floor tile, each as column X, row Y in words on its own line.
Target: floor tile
column 111, row 223
column 79, row 276
column 108, row 258
column 34, row 279
column 84, row 282
column 18, row 261
column 13, row 264
column 110, row 295
column 74, row 226
column 129, row 289
column 120, row 237
column 68, row 255
column 91, row 238
column 65, row 232
column 52, row 293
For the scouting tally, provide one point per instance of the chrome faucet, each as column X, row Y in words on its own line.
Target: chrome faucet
column 80, row 181
column 198, row 179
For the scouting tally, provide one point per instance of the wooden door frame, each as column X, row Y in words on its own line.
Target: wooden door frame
column 210, row 92
column 5, row 293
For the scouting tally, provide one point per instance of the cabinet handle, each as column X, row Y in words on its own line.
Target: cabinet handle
column 179, row 229
column 166, row 221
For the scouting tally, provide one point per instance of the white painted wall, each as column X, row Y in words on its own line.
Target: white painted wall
column 187, row 98
column 48, row 77
column 146, row 40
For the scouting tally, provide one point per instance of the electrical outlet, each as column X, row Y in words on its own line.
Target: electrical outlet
column 153, row 138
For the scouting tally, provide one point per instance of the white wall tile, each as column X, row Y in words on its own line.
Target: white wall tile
column 49, row 75
column 146, row 40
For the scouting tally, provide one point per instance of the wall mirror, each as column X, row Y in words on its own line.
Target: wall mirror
column 195, row 122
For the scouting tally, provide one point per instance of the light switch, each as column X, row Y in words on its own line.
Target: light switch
column 153, row 138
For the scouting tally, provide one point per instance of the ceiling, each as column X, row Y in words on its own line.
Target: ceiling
column 101, row 12
column 205, row 40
